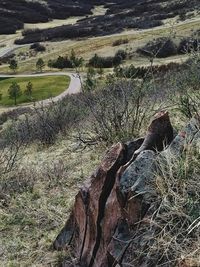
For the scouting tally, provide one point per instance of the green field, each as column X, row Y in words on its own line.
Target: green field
column 43, row 88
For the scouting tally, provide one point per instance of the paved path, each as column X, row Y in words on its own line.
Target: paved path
column 73, row 88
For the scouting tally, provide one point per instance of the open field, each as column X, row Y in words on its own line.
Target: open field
column 43, row 88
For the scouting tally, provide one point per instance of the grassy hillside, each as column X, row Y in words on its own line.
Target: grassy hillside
column 55, row 149
column 47, row 152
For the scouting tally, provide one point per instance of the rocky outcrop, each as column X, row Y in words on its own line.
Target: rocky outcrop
column 110, row 206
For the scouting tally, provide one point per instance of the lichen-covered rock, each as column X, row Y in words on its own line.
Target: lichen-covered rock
column 138, row 174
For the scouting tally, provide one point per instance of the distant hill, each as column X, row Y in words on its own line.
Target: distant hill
column 120, row 15
column 14, row 13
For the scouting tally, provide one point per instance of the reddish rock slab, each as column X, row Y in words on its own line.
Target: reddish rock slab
column 83, row 230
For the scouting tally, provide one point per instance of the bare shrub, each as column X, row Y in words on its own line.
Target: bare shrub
column 55, row 174
column 8, row 157
column 45, row 123
column 120, row 42
column 119, row 110
column 161, row 48
column 187, row 84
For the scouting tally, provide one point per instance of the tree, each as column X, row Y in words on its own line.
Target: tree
column 13, row 65
column 73, row 57
column 14, row 91
column 29, row 90
column 90, row 82
column 75, row 61
column 40, row 64
column 50, row 63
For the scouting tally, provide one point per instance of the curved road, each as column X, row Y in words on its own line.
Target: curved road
column 73, row 88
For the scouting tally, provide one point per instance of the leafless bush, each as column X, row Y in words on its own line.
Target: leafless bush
column 187, row 84
column 9, row 152
column 120, row 42
column 119, row 110
column 55, row 174
column 16, row 182
column 45, row 122
column 8, row 158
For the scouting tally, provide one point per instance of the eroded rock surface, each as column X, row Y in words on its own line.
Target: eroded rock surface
column 109, row 207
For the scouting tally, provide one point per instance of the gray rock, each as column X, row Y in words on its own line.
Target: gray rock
column 186, row 137
column 138, row 175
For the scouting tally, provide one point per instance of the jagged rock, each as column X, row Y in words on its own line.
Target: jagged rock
column 159, row 134
column 105, row 221
column 132, row 146
column 83, row 231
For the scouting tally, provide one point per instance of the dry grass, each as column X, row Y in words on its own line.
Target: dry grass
column 35, row 201
column 178, row 215
column 170, row 232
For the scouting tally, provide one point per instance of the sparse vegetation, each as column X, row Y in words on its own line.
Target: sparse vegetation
column 108, row 62
column 172, row 229
column 38, row 47
column 66, row 62
column 119, row 16
column 118, row 111
column 120, row 42
column 162, row 47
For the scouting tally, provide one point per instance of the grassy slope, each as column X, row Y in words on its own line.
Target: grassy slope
column 43, row 87
column 31, row 216
column 37, row 201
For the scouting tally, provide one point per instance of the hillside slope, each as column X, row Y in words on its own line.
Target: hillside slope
column 13, row 14
column 119, row 16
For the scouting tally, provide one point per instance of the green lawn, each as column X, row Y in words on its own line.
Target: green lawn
column 43, row 88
